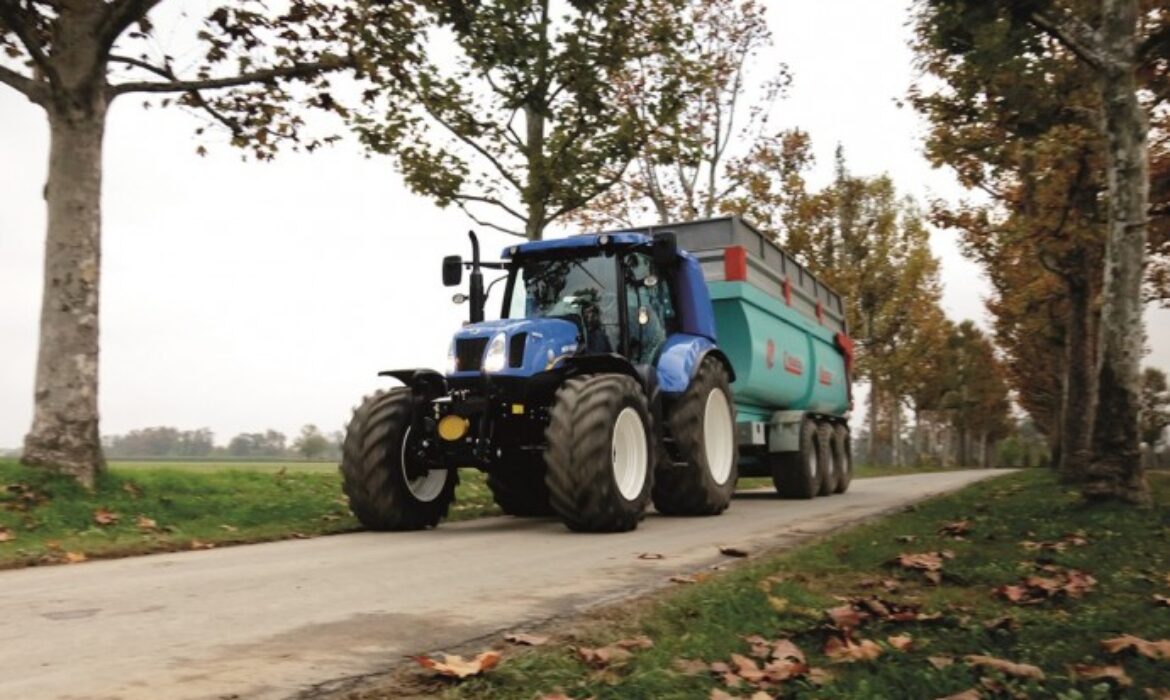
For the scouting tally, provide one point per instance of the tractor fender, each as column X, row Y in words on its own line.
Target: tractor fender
column 680, row 358
column 426, row 383
column 611, row 363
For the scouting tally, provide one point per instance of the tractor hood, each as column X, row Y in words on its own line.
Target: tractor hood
column 529, row 346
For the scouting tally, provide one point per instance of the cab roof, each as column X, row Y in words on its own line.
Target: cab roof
column 584, row 242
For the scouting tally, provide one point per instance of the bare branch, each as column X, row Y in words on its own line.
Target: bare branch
column 478, row 148
column 120, row 15
column 34, row 90
column 10, row 15
column 138, row 63
column 1075, row 35
column 297, row 70
column 487, row 224
column 490, row 200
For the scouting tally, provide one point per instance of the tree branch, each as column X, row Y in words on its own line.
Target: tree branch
column 1074, row 35
column 487, row 224
column 490, row 200
column 478, row 148
column 297, row 70
column 34, row 90
column 120, row 15
column 11, row 16
column 138, row 63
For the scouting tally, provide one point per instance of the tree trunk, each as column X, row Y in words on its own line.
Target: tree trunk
column 1076, row 411
column 534, row 195
column 1116, row 470
column 64, row 434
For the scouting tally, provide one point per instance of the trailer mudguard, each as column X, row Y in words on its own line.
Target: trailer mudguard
column 680, row 359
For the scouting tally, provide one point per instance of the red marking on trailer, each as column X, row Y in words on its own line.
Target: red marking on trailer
column 826, row 377
column 792, row 364
column 735, row 264
column 770, row 354
column 787, row 292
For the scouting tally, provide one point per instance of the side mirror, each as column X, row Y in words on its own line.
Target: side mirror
column 452, row 270
column 664, row 250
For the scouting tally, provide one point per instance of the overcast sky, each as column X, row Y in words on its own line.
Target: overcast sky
column 244, row 296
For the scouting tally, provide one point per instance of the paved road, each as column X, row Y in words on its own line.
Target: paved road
column 273, row 620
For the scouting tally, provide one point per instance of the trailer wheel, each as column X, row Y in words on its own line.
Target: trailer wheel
column 799, row 474
column 520, row 490
column 828, row 459
column 600, row 453
column 377, row 449
column 842, row 457
column 702, row 423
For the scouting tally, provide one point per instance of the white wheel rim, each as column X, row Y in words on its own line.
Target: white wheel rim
column 424, row 488
column 630, row 455
column 718, row 436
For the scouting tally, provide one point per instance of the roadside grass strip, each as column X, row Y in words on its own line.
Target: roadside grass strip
column 1010, row 588
column 49, row 519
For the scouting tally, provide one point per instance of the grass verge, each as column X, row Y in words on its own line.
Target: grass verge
column 48, row 519
column 1000, row 533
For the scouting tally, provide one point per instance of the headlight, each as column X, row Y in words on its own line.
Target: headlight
column 452, row 361
column 496, row 355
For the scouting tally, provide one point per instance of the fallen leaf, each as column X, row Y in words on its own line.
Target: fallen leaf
column 940, row 662
column 956, row 528
column 146, row 524
column 101, row 516
column 1070, row 583
column 1153, row 650
column 845, row 617
column 691, row 667
column 1158, row 693
column 934, row 577
column 968, row 694
column 528, row 640
column 731, row 551
column 820, row 676
column 196, row 544
column 74, row 557
column 1161, row 600
column 603, row 656
column 131, row 488
column 906, row 539
column 456, row 666
column 229, row 528
column 778, row 604
column 1085, row 672
column 901, row 642
column 925, row 561
column 650, row 555
column 1006, row 622
column 786, row 649
column 6, row 535
column 683, row 578
column 760, row 695
column 717, row 694
column 1009, row 668
column 639, row 642
column 848, row 651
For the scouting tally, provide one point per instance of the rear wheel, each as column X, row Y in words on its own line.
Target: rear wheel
column 378, row 468
column 799, row 474
column 600, row 452
column 827, row 459
column 702, row 423
column 518, row 488
column 842, row 457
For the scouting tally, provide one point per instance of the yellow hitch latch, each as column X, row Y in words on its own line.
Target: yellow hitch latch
column 453, row 427
column 517, row 409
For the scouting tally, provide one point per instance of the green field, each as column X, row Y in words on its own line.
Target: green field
column 274, row 465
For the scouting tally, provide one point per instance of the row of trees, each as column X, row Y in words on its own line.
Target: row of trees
column 168, row 442
column 1053, row 110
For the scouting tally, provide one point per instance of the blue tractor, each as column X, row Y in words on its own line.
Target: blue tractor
column 600, row 389
column 602, row 386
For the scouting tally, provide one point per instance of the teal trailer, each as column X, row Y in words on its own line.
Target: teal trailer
column 785, row 333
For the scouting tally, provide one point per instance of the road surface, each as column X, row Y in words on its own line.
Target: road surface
column 291, row 618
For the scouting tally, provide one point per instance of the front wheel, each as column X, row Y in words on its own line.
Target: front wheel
column 600, row 452
column 702, row 424
column 379, row 470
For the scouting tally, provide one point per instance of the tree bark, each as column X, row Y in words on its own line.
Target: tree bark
column 1076, row 411
column 536, row 185
column 64, row 436
column 1116, row 471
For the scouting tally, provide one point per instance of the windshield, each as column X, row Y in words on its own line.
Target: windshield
column 579, row 289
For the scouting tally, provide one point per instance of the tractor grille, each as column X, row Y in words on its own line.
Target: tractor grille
column 469, row 353
column 516, row 350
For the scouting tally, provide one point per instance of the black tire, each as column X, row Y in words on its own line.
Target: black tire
column 798, row 474
column 842, row 457
column 693, row 489
column 372, row 468
column 826, row 458
column 518, row 487
column 583, row 489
